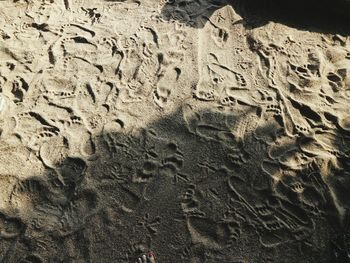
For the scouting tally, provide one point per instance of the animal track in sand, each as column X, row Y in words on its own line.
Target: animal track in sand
column 179, row 127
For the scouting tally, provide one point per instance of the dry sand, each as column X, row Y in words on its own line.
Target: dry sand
column 190, row 128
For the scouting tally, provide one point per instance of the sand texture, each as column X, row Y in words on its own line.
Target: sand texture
column 206, row 131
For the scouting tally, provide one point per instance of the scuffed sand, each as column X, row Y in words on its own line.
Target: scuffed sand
column 172, row 126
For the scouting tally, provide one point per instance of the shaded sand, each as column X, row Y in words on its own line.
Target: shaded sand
column 203, row 131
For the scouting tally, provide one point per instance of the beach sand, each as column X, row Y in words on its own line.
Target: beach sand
column 205, row 131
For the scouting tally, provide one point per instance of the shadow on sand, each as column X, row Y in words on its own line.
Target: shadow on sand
column 195, row 185
column 330, row 17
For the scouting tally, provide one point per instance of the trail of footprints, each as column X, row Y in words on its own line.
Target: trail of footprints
column 208, row 137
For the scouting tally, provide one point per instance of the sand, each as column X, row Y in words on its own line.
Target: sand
column 205, row 131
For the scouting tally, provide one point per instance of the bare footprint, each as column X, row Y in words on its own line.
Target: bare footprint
column 150, row 258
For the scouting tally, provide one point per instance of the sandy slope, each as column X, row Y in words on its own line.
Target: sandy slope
column 184, row 127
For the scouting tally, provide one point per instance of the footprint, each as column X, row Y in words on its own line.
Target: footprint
column 208, row 232
column 220, row 36
column 19, row 88
column 150, row 224
column 160, row 96
column 228, row 101
column 92, row 13
column 10, row 227
column 189, row 203
column 239, row 157
column 72, row 171
column 204, row 95
column 166, row 85
column 54, row 152
column 78, row 210
column 274, row 108
column 226, row 77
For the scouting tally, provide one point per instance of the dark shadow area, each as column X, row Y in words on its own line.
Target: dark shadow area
column 187, row 186
column 330, row 17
